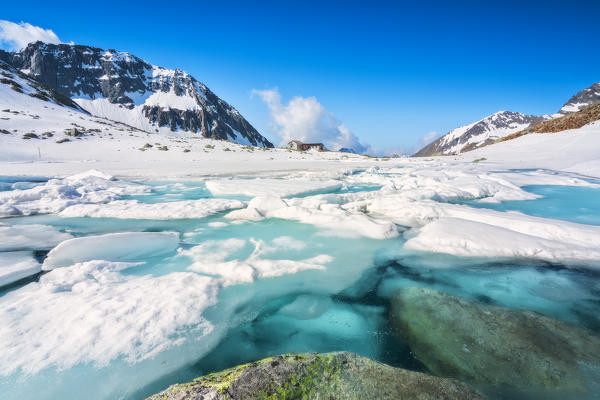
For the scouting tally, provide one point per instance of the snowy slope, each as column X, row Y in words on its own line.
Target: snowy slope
column 479, row 133
column 33, row 117
column 121, row 87
column 576, row 150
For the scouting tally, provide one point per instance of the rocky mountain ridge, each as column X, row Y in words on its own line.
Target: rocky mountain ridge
column 124, row 88
column 581, row 100
column 479, row 133
column 503, row 124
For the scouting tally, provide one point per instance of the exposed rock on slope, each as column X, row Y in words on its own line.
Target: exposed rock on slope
column 125, row 88
column 478, row 134
column 318, row 376
column 574, row 120
column 581, row 100
column 522, row 351
column 20, row 83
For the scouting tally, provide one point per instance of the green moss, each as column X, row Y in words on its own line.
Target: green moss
column 222, row 380
column 304, row 384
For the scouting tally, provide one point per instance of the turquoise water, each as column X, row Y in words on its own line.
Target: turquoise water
column 569, row 203
column 342, row 307
column 18, row 182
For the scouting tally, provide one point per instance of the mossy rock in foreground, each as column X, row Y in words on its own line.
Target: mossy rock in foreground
column 341, row 375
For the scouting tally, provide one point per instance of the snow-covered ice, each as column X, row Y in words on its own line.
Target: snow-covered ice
column 91, row 313
column 30, row 237
column 273, row 187
column 136, row 210
column 124, row 246
column 16, row 265
column 214, row 258
column 58, row 194
column 463, row 237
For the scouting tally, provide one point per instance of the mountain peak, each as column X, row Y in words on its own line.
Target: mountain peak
column 479, row 133
column 120, row 86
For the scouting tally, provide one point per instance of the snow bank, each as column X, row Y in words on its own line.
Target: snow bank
column 127, row 246
column 270, row 187
column 573, row 150
column 30, row 237
column 135, row 210
column 90, row 313
column 16, row 265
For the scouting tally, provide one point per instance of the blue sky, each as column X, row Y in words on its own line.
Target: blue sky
column 389, row 72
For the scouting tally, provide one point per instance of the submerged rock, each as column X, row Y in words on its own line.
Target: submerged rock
column 318, row 376
column 509, row 351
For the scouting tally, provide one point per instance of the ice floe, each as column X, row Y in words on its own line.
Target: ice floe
column 442, row 184
column 30, row 237
column 17, row 265
column 216, row 258
column 58, row 194
column 266, row 187
column 462, row 237
column 125, row 246
column 134, row 209
column 91, row 313
column 326, row 215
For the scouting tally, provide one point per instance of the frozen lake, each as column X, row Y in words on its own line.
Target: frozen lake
column 127, row 287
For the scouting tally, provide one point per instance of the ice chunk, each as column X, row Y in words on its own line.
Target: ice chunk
column 258, row 208
column 126, row 246
column 56, row 195
column 271, row 187
column 16, row 265
column 317, row 211
column 215, row 258
column 90, row 313
column 469, row 238
column 30, row 237
column 135, row 210
column 334, row 218
column 445, row 184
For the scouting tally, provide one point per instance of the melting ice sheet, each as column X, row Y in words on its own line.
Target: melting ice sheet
column 151, row 283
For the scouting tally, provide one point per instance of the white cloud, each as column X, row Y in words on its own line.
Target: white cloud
column 426, row 139
column 305, row 119
column 16, row 36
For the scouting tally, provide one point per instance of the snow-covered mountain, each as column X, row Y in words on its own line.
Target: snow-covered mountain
column 13, row 85
column 124, row 88
column 582, row 99
column 33, row 115
column 503, row 123
column 479, row 133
